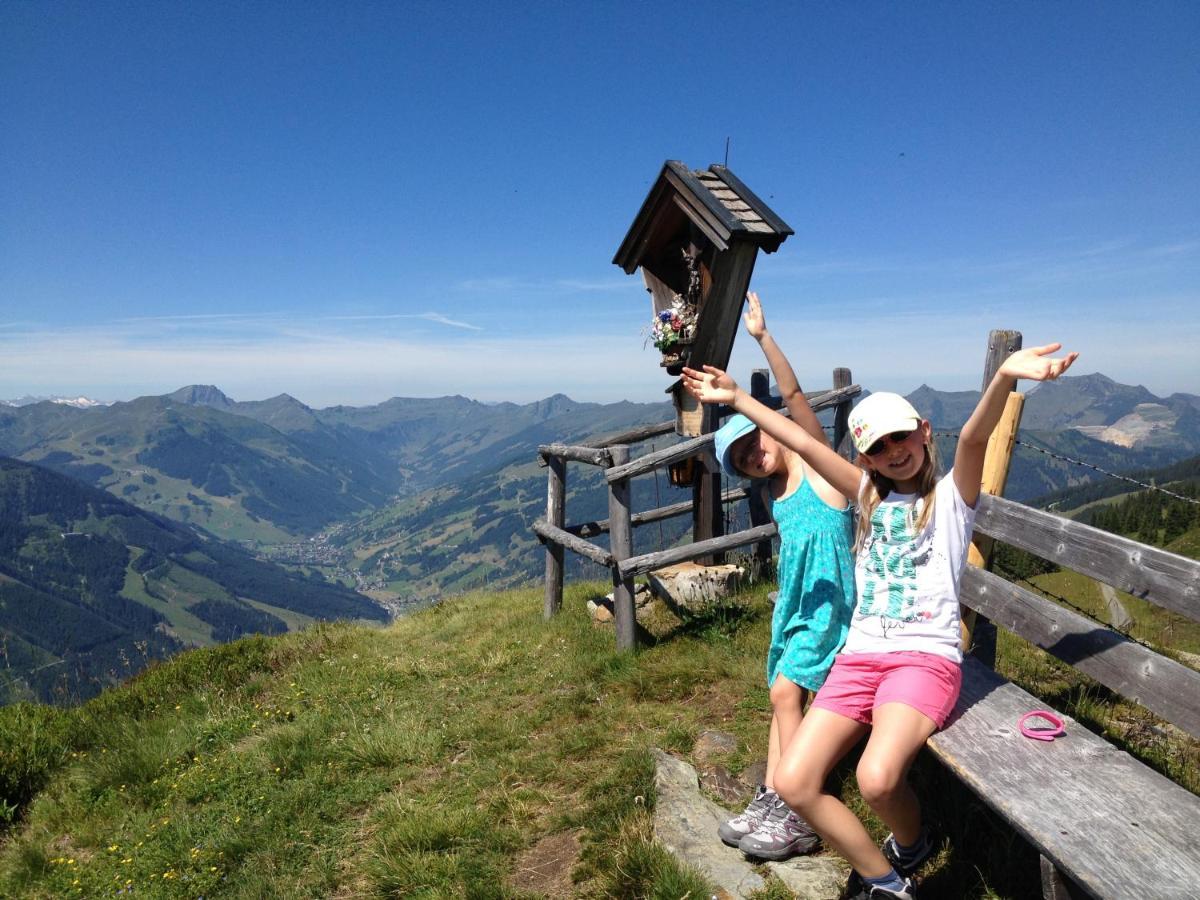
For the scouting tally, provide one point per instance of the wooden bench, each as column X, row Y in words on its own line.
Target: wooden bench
column 1105, row 824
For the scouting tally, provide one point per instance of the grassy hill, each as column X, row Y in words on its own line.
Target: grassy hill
column 443, row 756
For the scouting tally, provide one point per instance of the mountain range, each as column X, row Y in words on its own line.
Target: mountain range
column 409, row 499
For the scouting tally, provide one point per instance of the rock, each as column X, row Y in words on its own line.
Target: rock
column 812, row 877
column 651, row 613
column 755, row 773
column 694, row 588
column 685, row 823
column 712, row 743
column 719, row 782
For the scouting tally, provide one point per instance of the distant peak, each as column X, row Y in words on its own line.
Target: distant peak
column 201, row 395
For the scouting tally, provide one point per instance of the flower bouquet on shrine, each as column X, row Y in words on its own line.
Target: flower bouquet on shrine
column 673, row 329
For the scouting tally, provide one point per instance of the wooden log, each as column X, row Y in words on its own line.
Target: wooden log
column 707, row 522
column 979, row 632
column 620, row 542
column 556, row 492
column 1165, row 687
column 760, row 514
column 548, row 533
column 996, row 461
column 818, row 400
column 1163, row 578
column 591, row 529
column 640, row 565
column 841, row 420
column 595, row 456
column 1055, row 885
column 697, row 445
column 651, row 461
column 1116, row 828
column 637, row 435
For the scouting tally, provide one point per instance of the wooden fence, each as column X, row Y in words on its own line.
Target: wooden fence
column 612, row 455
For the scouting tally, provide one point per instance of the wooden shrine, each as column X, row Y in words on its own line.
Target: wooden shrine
column 695, row 239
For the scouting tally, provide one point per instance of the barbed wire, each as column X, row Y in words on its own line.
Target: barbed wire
column 1066, row 601
column 1087, row 465
column 1142, row 484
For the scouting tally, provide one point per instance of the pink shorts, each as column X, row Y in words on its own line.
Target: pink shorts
column 858, row 683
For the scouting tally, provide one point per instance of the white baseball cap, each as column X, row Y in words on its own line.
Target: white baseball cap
column 881, row 414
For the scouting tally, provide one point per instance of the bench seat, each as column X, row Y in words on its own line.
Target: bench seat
column 1113, row 826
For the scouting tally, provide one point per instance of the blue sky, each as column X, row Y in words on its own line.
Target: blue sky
column 349, row 202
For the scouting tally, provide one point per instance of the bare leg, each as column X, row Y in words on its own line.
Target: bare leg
column 898, row 734
column 823, row 738
column 787, row 703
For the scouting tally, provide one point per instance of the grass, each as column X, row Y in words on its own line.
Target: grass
column 426, row 759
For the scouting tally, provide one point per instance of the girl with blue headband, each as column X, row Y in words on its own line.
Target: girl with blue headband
column 815, row 597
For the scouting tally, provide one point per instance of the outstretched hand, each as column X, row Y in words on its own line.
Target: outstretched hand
column 756, row 322
column 713, row 385
column 1036, row 364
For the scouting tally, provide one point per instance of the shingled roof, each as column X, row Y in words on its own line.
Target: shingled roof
column 715, row 200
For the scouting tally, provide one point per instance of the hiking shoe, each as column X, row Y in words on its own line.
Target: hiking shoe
column 907, row 863
column 908, row 892
column 856, row 890
column 782, row 835
column 732, row 831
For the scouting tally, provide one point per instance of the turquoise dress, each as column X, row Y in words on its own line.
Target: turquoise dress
column 816, row 587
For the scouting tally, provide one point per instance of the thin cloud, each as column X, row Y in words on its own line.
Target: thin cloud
column 506, row 284
column 388, row 317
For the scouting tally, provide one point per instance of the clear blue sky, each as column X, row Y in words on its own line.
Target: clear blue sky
column 349, row 202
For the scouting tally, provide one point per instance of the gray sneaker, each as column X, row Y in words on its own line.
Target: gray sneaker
column 782, row 835
column 733, row 830
column 907, row 863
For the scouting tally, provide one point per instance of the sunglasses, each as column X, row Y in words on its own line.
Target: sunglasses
column 896, row 437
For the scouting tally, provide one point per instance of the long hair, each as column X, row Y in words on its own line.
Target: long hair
column 879, row 486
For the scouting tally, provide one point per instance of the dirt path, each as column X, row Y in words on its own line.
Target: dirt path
column 1118, row 616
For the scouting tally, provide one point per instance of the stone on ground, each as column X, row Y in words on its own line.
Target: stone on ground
column 695, row 588
column 686, row 822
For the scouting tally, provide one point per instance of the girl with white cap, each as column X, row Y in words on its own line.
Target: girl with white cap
column 899, row 673
column 815, row 596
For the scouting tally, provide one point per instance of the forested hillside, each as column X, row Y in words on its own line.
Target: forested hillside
column 93, row 588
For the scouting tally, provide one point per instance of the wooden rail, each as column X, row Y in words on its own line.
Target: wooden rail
column 640, row 565
column 612, row 453
column 1165, row 579
column 1163, row 686
column 591, row 529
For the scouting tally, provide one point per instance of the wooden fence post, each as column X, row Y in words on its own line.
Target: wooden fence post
column 760, row 389
column 620, row 544
column 841, row 418
column 556, row 492
column 979, row 634
column 707, row 512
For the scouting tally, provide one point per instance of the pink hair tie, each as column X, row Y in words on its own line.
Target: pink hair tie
column 1041, row 734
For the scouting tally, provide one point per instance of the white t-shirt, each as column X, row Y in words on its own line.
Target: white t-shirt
column 907, row 582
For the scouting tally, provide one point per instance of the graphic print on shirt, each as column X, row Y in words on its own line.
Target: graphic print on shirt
column 889, row 588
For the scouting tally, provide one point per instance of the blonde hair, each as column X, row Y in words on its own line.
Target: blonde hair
column 879, row 486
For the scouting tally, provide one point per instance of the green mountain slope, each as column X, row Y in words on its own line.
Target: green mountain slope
column 442, row 756
column 93, row 588
column 230, row 474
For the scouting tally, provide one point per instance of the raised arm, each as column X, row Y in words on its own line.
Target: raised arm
column 789, row 385
column 1034, row 363
column 715, row 386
